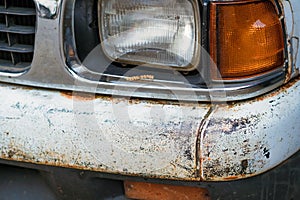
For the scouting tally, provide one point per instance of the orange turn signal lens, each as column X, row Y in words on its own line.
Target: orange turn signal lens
column 246, row 39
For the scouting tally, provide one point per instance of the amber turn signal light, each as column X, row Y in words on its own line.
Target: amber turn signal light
column 246, row 39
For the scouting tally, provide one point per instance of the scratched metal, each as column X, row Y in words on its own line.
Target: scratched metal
column 47, row 8
column 292, row 10
column 101, row 134
column 248, row 138
column 295, row 6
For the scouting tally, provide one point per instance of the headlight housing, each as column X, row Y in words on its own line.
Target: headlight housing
column 187, row 46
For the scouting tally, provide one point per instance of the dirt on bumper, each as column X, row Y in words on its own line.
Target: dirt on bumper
column 158, row 139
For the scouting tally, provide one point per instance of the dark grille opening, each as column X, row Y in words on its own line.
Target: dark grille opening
column 3, row 37
column 17, row 34
column 24, row 20
column 22, row 3
column 2, row 19
column 24, row 39
column 4, row 55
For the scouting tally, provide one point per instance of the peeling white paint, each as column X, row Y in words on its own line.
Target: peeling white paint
column 148, row 138
column 251, row 137
column 46, row 127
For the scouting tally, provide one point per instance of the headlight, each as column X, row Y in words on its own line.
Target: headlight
column 237, row 48
column 153, row 32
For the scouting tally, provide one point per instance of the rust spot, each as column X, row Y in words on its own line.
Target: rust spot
column 85, row 96
column 10, row 153
column 228, row 126
column 228, row 178
column 244, row 165
column 80, row 96
column 71, row 51
column 217, row 170
column 151, row 191
column 23, row 87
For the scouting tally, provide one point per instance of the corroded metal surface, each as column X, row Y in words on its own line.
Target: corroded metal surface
column 149, row 138
column 245, row 139
column 102, row 134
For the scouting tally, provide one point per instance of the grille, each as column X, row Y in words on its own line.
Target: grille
column 17, row 33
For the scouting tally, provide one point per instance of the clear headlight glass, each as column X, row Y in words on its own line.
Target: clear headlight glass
column 153, row 32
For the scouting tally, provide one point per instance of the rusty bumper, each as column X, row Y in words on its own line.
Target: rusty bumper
column 159, row 139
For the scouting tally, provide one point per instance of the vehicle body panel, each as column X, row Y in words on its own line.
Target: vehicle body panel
column 142, row 137
column 94, row 133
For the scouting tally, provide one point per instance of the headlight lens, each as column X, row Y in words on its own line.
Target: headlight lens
column 154, row 32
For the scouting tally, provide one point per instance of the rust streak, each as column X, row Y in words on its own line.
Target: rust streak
column 232, row 177
column 80, row 96
column 200, row 136
column 85, row 96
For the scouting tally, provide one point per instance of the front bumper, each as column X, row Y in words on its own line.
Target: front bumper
column 164, row 139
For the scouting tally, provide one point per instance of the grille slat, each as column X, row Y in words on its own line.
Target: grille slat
column 18, row 48
column 17, row 34
column 17, row 29
column 17, row 11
